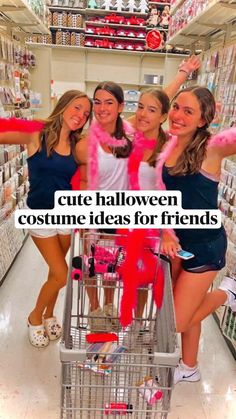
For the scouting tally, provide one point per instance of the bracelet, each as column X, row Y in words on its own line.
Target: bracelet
column 184, row 71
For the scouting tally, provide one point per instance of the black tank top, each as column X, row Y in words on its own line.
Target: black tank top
column 198, row 192
column 47, row 175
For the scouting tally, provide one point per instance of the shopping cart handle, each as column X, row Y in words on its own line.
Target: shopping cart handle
column 101, row 337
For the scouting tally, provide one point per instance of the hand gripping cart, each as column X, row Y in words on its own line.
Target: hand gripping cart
column 109, row 371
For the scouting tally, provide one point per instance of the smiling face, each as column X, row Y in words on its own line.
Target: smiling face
column 149, row 115
column 76, row 114
column 185, row 116
column 106, row 110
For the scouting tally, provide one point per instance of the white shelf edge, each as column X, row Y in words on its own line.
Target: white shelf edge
column 104, row 50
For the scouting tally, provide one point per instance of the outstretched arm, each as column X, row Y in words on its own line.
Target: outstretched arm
column 83, row 177
column 18, row 131
column 224, row 143
column 185, row 68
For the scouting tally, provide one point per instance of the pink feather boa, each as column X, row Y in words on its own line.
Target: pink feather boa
column 98, row 136
column 223, row 138
column 21, row 125
column 140, row 144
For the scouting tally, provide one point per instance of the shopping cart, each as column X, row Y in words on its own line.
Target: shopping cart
column 130, row 374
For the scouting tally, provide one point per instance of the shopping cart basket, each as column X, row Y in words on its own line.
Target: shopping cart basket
column 114, row 371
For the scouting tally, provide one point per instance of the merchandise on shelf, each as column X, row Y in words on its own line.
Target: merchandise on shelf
column 111, row 21
column 227, row 204
column 16, row 100
column 185, row 13
column 218, row 74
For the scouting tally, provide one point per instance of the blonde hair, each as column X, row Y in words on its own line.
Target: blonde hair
column 190, row 161
column 162, row 97
column 53, row 123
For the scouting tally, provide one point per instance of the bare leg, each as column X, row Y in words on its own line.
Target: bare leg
column 142, row 300
column 190, row 344
column 91, row 288
column 109, row 291
column 175, row 269
column 189, row 293
column 211, row 302
column 65, row 244
column 54, row 256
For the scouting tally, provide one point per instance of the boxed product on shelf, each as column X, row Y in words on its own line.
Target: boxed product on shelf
column 130, row 106
column 131, row 95
column 153, row 79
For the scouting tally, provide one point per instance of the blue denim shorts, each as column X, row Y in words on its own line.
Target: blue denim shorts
column 208, row 255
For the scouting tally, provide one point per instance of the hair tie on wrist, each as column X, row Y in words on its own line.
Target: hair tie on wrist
column 184, row 71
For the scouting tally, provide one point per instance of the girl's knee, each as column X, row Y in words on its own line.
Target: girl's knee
column 182, row 325
column 59, row 278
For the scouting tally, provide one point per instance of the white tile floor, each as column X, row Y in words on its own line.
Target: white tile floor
column 30, row 378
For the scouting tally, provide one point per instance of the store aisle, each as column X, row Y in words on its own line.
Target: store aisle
column 30, row 378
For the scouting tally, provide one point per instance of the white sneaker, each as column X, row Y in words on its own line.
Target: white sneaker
column 229, row 286
column 184, row 373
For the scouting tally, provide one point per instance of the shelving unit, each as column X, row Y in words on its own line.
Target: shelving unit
column 62, row 34
column 174, row 5
column 216, row 17
column 18, row 14
column 15, row 101
column 224, row 316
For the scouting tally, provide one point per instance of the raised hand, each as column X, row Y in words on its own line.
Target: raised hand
column 190, row 65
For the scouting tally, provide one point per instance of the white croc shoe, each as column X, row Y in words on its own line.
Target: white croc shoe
column 37, row 335
column 53, row 329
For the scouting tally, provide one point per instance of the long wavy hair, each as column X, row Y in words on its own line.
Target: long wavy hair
column 53, row 123
column 162, row 97
column 190, row 161
column 116, row 91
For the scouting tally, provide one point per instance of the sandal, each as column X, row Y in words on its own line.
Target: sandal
column 37, row 335
column 53, row 329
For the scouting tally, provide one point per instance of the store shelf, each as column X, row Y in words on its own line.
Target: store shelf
column 122, row 83
column 121, row 25
column 176, row 6
column 19, row 14
column 116, row 37
column 68, row 9
column 67, row 28
column 114, row 25
column 159, row 4
column 160, row 55
column 216, row 14
column 96, row 12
